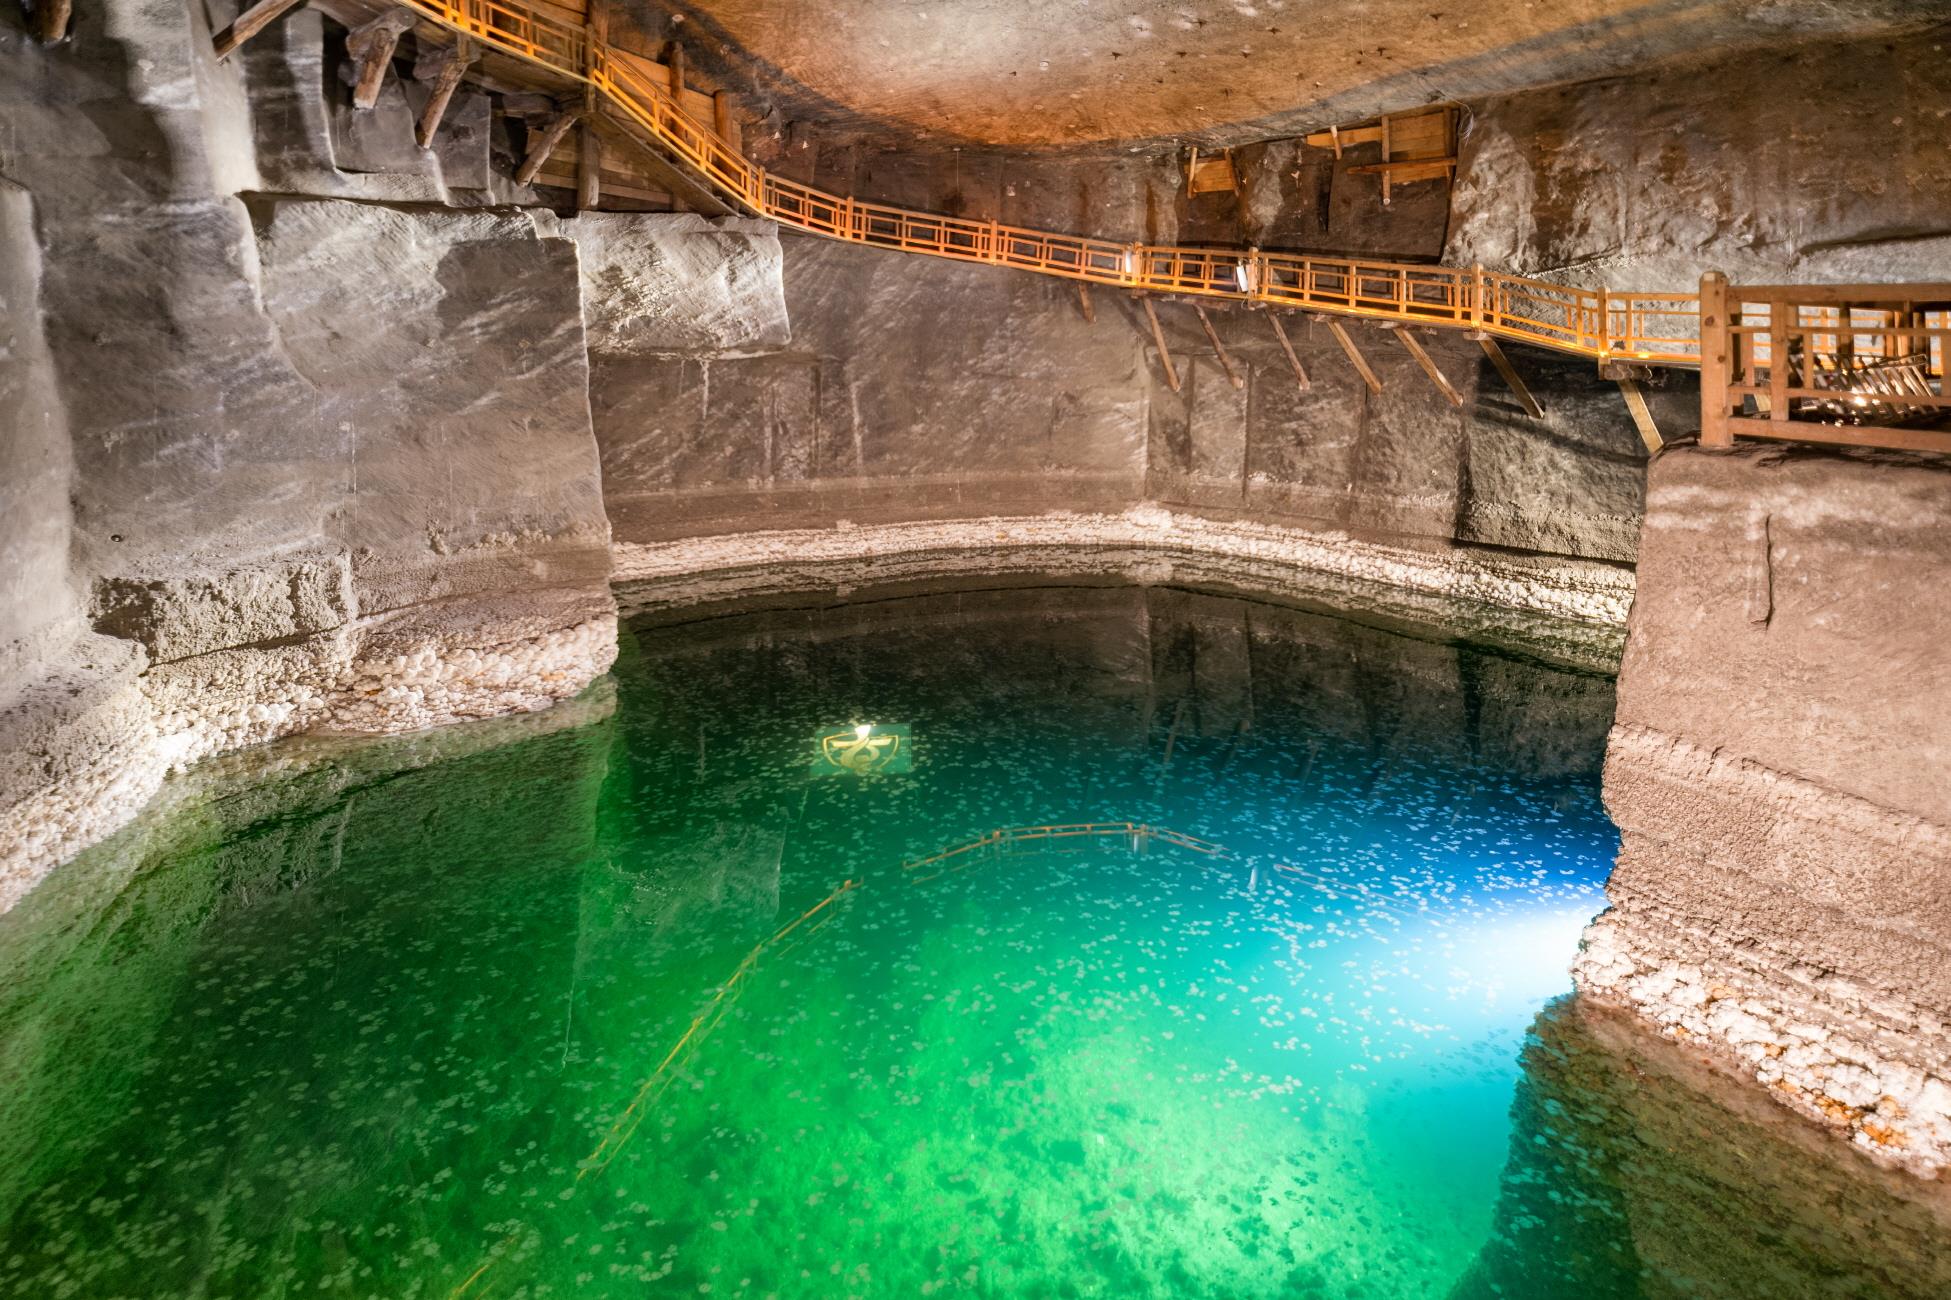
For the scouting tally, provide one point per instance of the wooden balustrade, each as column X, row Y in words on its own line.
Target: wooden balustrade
column 1857, row 364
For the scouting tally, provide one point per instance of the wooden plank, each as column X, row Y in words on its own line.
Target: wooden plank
column 1354, row 354
column 1649, row 432
column 1158, row 337
column 1233, row 376
column 1842, row 434
column 1714, row 371
column 1280, row 332
column 1516, row 384
column 721, row 115
column 1423, row 359
column 249, row 23
column 539, row 152
column 1832, row 295
column 1778, row 358
column 1084, row 301
column 453, row 67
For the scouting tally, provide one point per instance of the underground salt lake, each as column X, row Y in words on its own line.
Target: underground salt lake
column 1044, row 941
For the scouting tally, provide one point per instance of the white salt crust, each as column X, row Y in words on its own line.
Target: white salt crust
column 211, row 704
column 1894, row 1111
column 1569, row 589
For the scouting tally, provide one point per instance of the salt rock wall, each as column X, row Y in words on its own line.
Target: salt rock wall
column 1403, row 464
column 1645, row 181
column 327, row 465
column 1776, row 772
column 910, row 388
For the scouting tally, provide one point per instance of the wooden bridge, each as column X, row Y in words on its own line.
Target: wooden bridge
column 1885, row 344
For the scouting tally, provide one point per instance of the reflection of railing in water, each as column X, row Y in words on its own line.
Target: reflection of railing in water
column 1137, row 832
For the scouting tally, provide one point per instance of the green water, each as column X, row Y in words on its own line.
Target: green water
column 651, row 1005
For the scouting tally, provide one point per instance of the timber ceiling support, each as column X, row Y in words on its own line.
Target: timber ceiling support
column 1084, row 302
column 1649, row 432
column 372, row 45
column 1511, row 378
column 1280, row 332
column 545, row 144
column 452, row 65
column 249, row 23
column 1233, row 376
column 1415, row 349
column 1355, row 356
column 1158, row 337
column 51, row 18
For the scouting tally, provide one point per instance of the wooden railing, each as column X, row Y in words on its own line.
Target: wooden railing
column 1859, row 365
column 1651, row 328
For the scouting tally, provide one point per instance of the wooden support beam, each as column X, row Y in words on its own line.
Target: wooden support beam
column 676, row 65
column 1649, row 432
column 446, row 81
column 249, row 23
column 51, row 19
column 1226, row 363
column 589, row 166
column 721, row 114
column 1280, row 332
column 1354, row 354
column 372, row 45
column 1509, row 372
column 1415, row 347
column 1084, row 301
column 538, row 153
column 1158, row 337
column 1716, row 360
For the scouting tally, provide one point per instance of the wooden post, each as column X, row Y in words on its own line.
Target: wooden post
column 1649, row 432
column 589, row 165
column 51, row 19
column 1084, row 301
column 1233, row 376
column 249, row 23
column 721, row 114
column 1714, row 349
column 545, row 145
column 1779, row 314
column 676, row 66
column 373, row 44
column 1410, row 342
column 1158, row 337
column 1280, row 332
column 446, row 82
column 1354, row 354
column 1504, row 368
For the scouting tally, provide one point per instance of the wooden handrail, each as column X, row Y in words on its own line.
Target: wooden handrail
column 1649, row 328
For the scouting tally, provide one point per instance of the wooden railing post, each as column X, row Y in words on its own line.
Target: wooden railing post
column 1602, row 337
column 1477, row 296
column 1715, row 344
column 1780, row 312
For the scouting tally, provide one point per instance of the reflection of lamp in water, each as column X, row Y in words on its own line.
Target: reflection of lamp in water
column 864, row 747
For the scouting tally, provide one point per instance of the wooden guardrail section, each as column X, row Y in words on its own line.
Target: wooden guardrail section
column 1860, row 365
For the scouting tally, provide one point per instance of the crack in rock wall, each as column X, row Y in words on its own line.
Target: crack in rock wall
column 1776, row 772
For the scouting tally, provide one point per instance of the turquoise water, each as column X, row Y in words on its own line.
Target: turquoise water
column 658, row 1004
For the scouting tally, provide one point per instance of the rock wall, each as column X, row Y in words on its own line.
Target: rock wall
column 286, row 465
column 910, row 388
column 1776, row 770
column 1720, row 163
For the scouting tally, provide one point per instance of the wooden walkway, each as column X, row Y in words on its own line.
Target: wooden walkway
column 1862, row 365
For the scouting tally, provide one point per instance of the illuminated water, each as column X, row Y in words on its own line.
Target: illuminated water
column 651, row 1005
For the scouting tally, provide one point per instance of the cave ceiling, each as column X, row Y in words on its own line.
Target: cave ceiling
column 1050, row 73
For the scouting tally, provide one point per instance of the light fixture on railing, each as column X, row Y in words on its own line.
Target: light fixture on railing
column 1243, row 276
